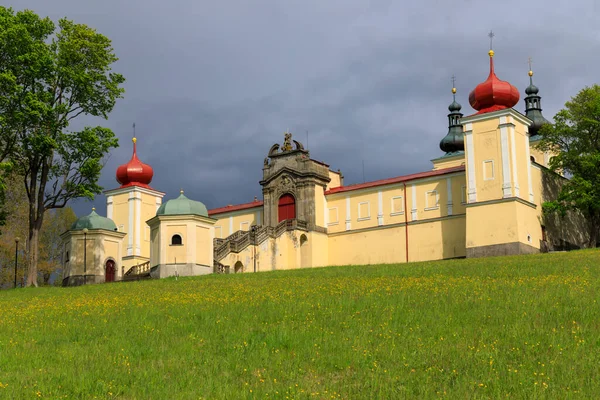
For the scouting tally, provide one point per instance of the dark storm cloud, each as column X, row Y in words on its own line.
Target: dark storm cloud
column 212, row 86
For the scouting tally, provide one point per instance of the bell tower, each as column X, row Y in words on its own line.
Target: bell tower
column 293, row 185
column 131, row 205
column 499, row 182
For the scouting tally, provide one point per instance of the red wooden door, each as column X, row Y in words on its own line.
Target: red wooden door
column 287, row 207
column 109, row 273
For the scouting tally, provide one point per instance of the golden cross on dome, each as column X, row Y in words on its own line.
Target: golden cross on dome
column 491, row 36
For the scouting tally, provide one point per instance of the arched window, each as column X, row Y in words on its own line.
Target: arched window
column 287, row 207
column 176, row 240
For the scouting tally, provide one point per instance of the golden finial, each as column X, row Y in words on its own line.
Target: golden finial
column 181, row 191
column 134, row 140
column 453, row 90
column 491, row 36
column 93, row 208
column 530, row 70
column 453, row 84
column 491, row 53
column 530, row 73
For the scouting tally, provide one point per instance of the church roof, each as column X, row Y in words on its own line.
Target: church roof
column 94, row 221
column 238, row 207
column 182, row 206
column 398, row 179
column 135, row 172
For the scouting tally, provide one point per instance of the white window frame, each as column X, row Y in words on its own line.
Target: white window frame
column 337, row 216
column 437, row 200
column 368, row 216
column 394, row 212
column 487, row 178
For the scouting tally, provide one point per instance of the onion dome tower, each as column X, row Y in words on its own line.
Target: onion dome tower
column 533, row 107
column 493, row 94
column 454, row 141
column 135, row 172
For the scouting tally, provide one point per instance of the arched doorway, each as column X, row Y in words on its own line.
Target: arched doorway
column 238, row 267
column 287, row 207
column 109, row 271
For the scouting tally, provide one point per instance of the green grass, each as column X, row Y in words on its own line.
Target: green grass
column 518, row 327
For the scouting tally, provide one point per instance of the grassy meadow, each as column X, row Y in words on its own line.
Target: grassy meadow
column 517, row 327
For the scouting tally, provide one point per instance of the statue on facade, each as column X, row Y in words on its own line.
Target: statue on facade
column 287, row 142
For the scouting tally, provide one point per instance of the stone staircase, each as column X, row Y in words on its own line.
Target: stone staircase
column 137, row 272
column 238, row 241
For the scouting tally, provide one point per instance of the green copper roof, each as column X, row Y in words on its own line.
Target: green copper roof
column 182, row 206
column 94, row 221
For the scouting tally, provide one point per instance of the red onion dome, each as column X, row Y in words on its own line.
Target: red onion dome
column 135, row 172
column 493, row 94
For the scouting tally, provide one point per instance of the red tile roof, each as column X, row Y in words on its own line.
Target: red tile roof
column 238, row 207
column 399, row 179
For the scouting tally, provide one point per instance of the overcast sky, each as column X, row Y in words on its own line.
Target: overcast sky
column 211, row 85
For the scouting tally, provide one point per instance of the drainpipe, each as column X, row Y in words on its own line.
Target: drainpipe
column 405, row 221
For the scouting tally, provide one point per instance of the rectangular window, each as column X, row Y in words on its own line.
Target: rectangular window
column 488, row 170
column 245, row 226
column 364, row 211
column 218, row 232
column 397, row 205
column 334, row 217
column 431, row 200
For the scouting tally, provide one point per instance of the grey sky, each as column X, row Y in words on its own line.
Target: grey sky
column 212, row 85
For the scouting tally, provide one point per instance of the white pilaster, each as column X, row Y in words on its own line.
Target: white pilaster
column 513, row 151
column 348, row 214
column 138, row 222
column 506, row 186
column 109, row 207
column 380, row 207
column 471, row 187
column 130, row 227
column 413, row 214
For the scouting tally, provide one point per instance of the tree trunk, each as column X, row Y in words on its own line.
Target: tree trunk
column 33, row 250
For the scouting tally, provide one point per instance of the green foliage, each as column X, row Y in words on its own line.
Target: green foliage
column 49, row 76
column 508, row 327
column 574, row 138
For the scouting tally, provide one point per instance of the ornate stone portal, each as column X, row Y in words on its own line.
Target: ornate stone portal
column 288, row 169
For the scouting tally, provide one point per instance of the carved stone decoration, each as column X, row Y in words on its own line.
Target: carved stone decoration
column 274, row 149
column 299, row 145
column 287, row 142
column 286, row 184
column 266, row 161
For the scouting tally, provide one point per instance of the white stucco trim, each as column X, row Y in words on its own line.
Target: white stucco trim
column 362, row 217
column 394, row 211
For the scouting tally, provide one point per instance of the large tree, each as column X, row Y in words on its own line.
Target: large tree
column 49, row 76
column 574, row 139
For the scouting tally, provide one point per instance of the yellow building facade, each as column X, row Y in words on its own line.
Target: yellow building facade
column 482, row 197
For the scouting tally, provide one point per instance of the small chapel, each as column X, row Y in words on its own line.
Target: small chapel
column 482, row 197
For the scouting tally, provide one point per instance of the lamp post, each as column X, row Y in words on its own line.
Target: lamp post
column 85, row 231
column 253, row 229
column 16, row 258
